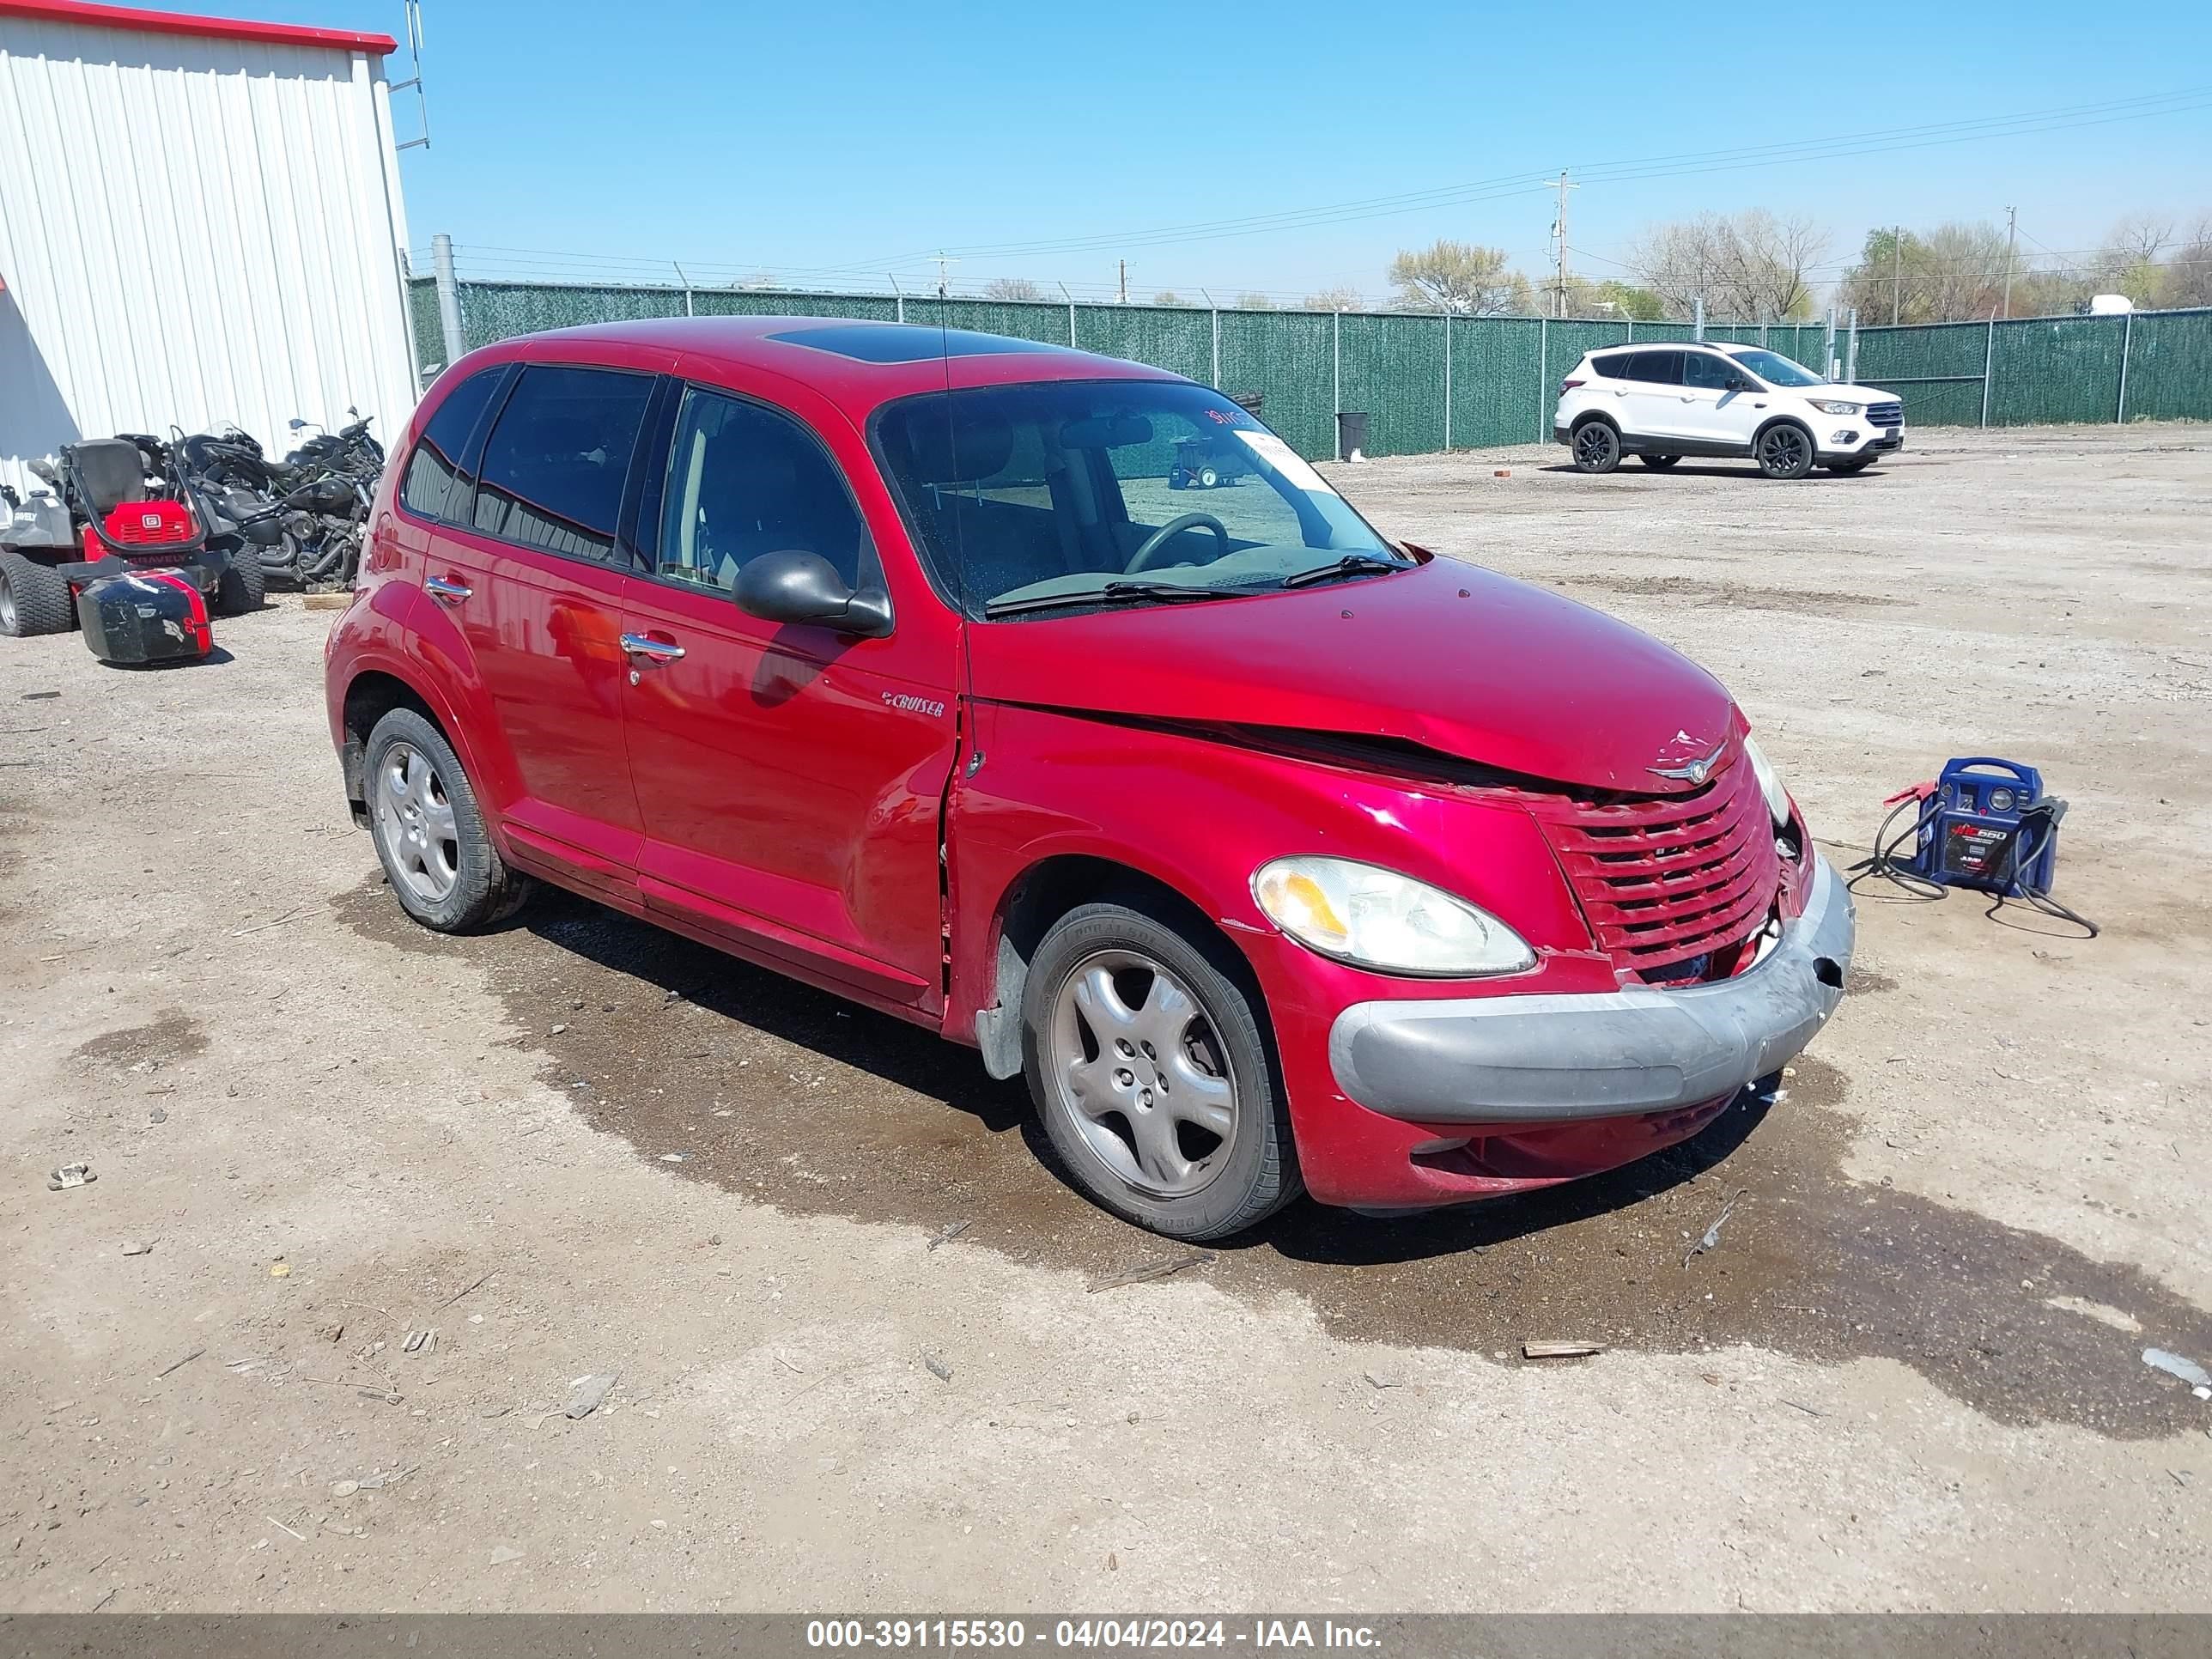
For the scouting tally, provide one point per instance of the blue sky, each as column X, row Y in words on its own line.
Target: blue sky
column 796, row 139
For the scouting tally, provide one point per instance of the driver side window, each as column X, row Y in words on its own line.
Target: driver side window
column 1704, row 369
column 743, row 480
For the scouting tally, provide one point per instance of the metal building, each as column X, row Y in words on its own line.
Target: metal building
column 200, row 224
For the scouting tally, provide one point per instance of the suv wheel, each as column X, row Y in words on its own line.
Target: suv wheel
column 1596, row 448
column 34, row 598
column 429, row 833
column 1156, row 1081
column 1785, row 451
column 1659, row 463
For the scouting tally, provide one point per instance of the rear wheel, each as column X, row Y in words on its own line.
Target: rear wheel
column 1785, row 451
column 34, row 598
column 244, row 585
column 1207, row 477
column 429, row 832
column 1149, row 1064
column 1595, row 448
column 1659, row 463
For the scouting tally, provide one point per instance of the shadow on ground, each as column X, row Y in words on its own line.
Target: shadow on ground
column 780, row 1093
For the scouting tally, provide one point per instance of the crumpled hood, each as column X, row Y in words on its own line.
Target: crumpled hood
column 1458, row 659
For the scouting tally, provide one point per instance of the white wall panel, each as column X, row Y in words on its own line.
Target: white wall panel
column 193, row 231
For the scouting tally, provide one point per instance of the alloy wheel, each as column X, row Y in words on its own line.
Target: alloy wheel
column 1594, row 447
column 1784, row 451
column 413, row 822
column 1142, row 1074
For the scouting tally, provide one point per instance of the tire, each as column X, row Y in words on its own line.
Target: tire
column 34, row 598
column 1207, row 477
column 1658, row 462
column 1114, row 993
column 1595, row 447
column 1844, row 469
column 1784, row 451
column 244, row 584
column 449, row 877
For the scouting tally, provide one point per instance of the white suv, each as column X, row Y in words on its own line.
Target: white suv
column 1660, row 403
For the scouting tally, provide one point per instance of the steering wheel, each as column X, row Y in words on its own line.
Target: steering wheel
column 1175, row 527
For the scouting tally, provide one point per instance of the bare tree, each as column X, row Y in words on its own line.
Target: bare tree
column 1744, row 266
column 1168, row 296
column 1013, row 288
column 1953, row 273
column 1339, row 297
column 2189, row 272
column 1461, row 277
column 2127, row 263
column 1254, row 302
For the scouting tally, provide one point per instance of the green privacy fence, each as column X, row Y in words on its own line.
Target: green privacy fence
column 1427, row 383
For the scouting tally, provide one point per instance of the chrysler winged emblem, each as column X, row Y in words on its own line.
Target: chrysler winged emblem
column 1696, row 771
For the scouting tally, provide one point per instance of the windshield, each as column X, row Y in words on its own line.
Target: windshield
column 1776, row 369
column 1042, row 499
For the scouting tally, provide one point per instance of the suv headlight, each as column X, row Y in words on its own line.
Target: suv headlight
column 1376, row 918
column 1829, row 406
column 1770, row 784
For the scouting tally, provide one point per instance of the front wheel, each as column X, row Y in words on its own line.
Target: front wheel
column 429, row 832
column 1150, row 1067
column 1785, row 451
column 1596, row 448
column 244, row 584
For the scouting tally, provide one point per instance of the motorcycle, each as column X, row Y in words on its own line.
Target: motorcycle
column 304, row 516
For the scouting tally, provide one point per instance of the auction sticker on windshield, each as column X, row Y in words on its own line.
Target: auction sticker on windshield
column 1282, row 458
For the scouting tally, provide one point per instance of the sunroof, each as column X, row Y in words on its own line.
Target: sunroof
column 892, row 343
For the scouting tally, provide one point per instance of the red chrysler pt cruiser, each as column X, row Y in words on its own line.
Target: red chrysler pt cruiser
column 1055, row 704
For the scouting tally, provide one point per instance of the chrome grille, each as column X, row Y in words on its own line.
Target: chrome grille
column 1663, row 879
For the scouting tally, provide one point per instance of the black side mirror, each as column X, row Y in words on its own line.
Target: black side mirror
column 794, row 586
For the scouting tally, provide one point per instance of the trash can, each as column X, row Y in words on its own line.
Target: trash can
column 1350, row 434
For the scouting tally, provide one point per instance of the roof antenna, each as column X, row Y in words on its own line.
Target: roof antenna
column 414, row 82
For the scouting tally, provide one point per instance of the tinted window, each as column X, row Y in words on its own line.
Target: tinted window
column 1659, row 367
column 1702, row 368
column 744, row 481
column 437, row 458
column 553, row 465
column 1614, row 367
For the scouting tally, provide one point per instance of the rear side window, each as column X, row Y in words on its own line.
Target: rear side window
column 1614, row 367
column 558, row 454
column 1657, row 367
column 437, row 458
column 744, row 481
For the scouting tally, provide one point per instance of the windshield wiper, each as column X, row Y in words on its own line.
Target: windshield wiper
column 1352, row 564
column 1115, row 593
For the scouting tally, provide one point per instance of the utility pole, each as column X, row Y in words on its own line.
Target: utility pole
column 1559, row 231
column 1125, row 282
column 944, row 279
column 2012, row 241
column 1896, row 270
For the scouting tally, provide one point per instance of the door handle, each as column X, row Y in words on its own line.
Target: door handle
column 445, row 593
column 644, row 645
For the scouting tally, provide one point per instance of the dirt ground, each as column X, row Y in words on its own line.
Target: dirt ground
column 1908, row 1376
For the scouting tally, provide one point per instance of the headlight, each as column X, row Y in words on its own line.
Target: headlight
column 1770, row 783
column 1827, row 407
column 1376, row 918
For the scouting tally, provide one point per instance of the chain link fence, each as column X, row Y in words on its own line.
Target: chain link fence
column 1432, row 382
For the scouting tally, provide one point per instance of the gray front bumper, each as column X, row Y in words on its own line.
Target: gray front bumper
column 1612, row 1054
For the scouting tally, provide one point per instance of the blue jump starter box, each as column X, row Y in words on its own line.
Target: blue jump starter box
column 1989, row 827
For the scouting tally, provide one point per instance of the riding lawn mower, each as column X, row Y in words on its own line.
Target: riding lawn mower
column 115, row 545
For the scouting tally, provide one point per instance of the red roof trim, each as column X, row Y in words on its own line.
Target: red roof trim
column 174, row 23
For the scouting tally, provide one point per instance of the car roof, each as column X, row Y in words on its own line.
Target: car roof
column 856, row 364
